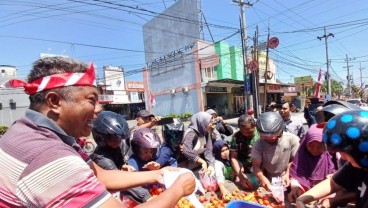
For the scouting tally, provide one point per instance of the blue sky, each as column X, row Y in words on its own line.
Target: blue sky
column 109, row 32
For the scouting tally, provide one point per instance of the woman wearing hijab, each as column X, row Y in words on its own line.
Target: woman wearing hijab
column 223, row 169
column 197, row 144
column 311, row 164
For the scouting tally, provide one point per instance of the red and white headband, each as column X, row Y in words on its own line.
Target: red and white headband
column 55, row 81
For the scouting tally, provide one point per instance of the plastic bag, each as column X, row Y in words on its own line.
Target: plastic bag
column 208, row 181
column 277, row 189
column 171, row 176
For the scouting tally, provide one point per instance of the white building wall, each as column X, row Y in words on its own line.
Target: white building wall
column 163, row 37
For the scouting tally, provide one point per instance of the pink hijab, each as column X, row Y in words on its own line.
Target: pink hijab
column 307, row 169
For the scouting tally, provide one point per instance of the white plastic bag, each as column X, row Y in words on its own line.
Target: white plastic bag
column 277, row 189
column 171, row 176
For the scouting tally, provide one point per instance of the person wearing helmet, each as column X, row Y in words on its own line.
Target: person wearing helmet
column 172, row 135
column 146, row 148
column 345, row 133
column 110, row 130
column 335, row 107
column 274, row 151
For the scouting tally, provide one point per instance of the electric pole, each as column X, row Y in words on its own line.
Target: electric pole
column 348, row 77
column 325, row 36
column 361, row 76
column 244, row 36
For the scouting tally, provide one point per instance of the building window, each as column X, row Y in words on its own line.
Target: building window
column 141, row 96
column 209, row 72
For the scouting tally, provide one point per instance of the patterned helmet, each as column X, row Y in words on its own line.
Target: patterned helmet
column 348, row 132
column 144, row 138
column 109, row 125
column 270, row 123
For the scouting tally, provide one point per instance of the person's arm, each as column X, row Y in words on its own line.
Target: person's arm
column 116, row 180
column 320, row 190
column 188, row 151
column 150, row 124
column 238, row 168
column 258, row 172
column 220, row 178
column 301, row 131
column 183, row 186
column 227, row 130
column 208, row 153
column 286, row 176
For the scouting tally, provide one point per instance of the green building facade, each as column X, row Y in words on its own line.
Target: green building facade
column 230, row 63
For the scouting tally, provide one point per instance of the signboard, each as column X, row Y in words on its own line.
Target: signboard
column 306, row 81
column 253, row 65
column 134, row 86
column 209, row 61
column 248, row 84
column 273, row 43
column 216, row 89
column 114, row 78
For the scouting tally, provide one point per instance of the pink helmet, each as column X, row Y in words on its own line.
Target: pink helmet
column 144, row 138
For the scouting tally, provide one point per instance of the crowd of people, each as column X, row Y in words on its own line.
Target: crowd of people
column 41, row 165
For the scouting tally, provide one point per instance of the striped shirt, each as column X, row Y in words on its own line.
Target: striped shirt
column 41, row 166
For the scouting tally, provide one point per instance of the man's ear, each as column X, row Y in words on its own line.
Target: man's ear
column 53, row 101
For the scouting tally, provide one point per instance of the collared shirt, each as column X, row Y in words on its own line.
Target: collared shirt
column 243, row 146
column 41, row 166
column 295, row 126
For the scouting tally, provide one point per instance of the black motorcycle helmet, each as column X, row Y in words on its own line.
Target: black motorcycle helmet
column 348, row 132
column 109, row 125
column 335, row 107
column 270, row 123
column 173, row 135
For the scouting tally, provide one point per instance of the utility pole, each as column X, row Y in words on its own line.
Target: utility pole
column 361, row 76
column 244, row 36
column 255, row 77
column 348, row 77
column 325, row 36
column 266, row 72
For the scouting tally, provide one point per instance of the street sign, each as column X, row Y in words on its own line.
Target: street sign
column 253, row 65
column 306, row 81
column 273, row 43
column 262, row 46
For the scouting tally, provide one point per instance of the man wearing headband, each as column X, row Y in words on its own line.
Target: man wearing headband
column 41, row 165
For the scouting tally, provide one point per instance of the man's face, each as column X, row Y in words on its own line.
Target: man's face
column 285, row 111
column 75, row 117
column 143, row 120
column 247, row 130
column 270, row 138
